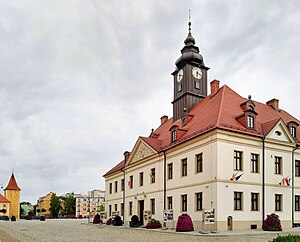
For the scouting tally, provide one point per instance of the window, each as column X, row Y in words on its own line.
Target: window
column 254, row 163
column 197, row 84
column 109, row 210
column 199, row 163
column 297, row 167
column 278, row 165
column 179, row 87
column 141, row 179
column 174, row 135
column 110, row 188
column 199, row 201
column 130, row 208
column 184, row 203
column 250, row 121
column 152, row 175
column 116, row 186
column 278, row 202
column 238, row 200
column 170, row 171
column 238, row 160
column 184, row 167
column 122, row 185
column 122, row 209
column 130, row 183
column 254, row 201
column 297, row 202
column 152, row 202
column 116, row 207
column 170, row 202
column 293, row 131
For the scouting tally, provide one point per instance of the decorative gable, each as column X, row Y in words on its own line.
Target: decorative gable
column 140, row 151
column 279, row 132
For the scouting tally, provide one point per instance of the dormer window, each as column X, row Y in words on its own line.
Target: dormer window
column 293, row 131
column 250, row 122
column 184, row 121
column 292, row 126
column 174, row 135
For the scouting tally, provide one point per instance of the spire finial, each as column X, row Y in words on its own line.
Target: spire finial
column 190, row 21
column 13, row 169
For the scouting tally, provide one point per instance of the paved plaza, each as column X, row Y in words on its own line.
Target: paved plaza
column 80, row 230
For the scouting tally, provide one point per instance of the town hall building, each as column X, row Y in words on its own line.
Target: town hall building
column 222, row 154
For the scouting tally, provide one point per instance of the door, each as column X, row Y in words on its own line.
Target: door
column 141, row 211
column 229, row 223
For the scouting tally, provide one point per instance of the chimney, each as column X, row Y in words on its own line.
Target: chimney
column 163, row 119
column 274, row 103
column 126, row 155
column 214, row 87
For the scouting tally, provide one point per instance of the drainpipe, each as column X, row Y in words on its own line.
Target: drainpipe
column 165, row 182
column 263, row 180
column 293, row 184
column 124, row 196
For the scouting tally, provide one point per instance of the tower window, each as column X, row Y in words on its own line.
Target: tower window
column 179, row 87
column 197, row 84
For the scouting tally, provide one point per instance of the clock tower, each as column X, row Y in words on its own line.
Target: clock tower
column 190, row 78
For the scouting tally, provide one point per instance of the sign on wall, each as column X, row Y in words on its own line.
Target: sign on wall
column 168, row 214
column 209, row 216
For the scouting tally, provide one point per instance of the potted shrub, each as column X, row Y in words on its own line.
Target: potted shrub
column 13, row 218
column 108, row 222
column 184, row 223
column 117, row 221
column 272, row 223
column 134, row 223
column 96, row 219
column 153, row 224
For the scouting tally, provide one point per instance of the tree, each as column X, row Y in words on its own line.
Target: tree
column 102, row 208
column 55, row 206
column 70, row 204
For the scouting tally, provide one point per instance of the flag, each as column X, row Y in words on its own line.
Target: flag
column 238, row 177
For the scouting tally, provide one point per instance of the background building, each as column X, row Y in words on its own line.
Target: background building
column 221, row 154
column 12, row 193
column 90, row 204
column 4, row 206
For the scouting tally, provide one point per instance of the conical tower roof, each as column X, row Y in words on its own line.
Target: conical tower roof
column 12, row 184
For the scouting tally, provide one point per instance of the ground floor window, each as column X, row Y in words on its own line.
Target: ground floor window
column 278, row 202
column 122, row 209
column 238, row 196
column 184, row 203
column 152, row 202
column 199, row 201
column 170, row 203
column 297, row 203
column 254, row 201
column 130, row 208
column 109, row 210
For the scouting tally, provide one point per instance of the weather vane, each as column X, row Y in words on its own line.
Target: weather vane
column 189, row 21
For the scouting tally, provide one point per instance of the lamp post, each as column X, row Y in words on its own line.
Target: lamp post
column 88, row 209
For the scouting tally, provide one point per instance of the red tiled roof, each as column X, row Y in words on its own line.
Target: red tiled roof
column 3, row 199
column 218, row 111
column 12, row 184
column 118, row 167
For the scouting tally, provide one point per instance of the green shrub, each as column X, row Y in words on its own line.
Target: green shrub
column 287, row 238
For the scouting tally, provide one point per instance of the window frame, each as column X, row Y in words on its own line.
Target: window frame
column 297, row 168
column 278, row 165
column 254, row 163
column 184, row 167
column 199, row 201
column 141, row 179
column 254, row 201
column 238, row 201
column 152, row 175
column 278, row 202
column 238, row 160
column 170, row 171
column 199, row 163
column 297, row 203
column 184, row 203
column 152, row 205
column 250, row 122
column 170, row 202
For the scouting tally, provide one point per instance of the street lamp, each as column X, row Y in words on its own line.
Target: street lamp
column 88, row 209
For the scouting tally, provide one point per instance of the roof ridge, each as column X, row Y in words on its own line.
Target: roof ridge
column 221, row 105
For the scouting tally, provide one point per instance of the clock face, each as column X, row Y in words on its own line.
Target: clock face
column 197, row 73
column 179, row 75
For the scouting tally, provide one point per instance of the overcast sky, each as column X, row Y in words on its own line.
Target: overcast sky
column 80, row 80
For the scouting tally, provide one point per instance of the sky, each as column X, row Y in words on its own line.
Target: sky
column 80, row 80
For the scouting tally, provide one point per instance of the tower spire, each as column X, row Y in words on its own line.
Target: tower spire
column 190, row 24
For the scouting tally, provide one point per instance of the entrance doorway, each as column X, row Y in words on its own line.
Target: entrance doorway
column 141, row 211
column 229, row 223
